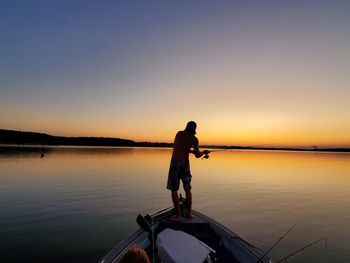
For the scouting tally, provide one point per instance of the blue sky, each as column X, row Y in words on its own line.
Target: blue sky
column 248, row 72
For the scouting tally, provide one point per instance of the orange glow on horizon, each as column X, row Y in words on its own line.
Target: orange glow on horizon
column 241, row 129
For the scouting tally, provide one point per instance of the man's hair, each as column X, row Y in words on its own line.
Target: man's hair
column 191, row 127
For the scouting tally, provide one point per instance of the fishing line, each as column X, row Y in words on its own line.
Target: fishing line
column 206, row 156
column 279, row 240
column 303, row 248
column 152, row 230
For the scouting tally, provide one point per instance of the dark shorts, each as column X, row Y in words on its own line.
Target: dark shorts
column 179, row 171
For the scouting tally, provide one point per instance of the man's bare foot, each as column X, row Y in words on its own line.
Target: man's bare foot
column 175, row 218
column 190, row 216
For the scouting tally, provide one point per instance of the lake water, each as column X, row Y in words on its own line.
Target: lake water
column 75, row 204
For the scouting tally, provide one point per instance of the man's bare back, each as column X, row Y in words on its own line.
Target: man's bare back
column 183, row 143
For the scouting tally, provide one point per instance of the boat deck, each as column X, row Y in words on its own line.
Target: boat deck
column 201, row 229
column 229, row 247
column 187, row 223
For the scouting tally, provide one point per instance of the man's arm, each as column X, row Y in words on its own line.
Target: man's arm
column 196, row 150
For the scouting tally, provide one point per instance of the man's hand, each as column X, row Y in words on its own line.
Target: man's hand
column 206, row 152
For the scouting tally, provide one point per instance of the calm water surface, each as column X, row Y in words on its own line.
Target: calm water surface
column 75, row 204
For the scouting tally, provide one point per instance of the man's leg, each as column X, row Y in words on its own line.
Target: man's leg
column 189, row 203
column 175, row 198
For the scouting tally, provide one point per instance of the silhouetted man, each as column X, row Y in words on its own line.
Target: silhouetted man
column 180, row 167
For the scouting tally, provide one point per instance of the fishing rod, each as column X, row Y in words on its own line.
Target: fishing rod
column 302, row 249
column 279, row 240
column 206, row 156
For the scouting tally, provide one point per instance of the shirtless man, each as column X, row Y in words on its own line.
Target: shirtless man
column 180, row 167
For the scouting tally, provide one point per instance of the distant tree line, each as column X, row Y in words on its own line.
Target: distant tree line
column 34, row 138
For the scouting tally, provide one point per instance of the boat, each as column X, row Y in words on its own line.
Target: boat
column 200, row 239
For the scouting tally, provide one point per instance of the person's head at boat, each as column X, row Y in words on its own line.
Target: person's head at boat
column 191, row 127
column 135, row 254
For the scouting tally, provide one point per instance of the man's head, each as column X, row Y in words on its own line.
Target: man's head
column 191, row 127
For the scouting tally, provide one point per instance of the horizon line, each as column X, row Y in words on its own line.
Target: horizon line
column 255, row 146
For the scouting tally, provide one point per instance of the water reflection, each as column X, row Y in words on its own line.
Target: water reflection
column 49, row 205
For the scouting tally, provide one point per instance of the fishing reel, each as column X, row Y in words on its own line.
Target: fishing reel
column 206, row 156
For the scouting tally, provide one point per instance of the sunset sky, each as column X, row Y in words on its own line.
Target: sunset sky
column 248, row 72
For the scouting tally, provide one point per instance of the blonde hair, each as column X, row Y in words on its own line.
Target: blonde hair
column 135, row 254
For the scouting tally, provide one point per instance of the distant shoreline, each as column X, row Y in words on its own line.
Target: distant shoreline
column 20, row 139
